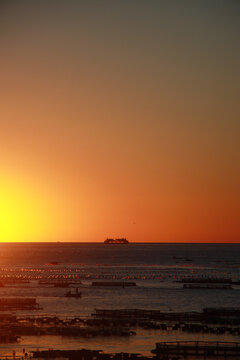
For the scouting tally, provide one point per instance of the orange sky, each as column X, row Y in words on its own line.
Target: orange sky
column 119, row 120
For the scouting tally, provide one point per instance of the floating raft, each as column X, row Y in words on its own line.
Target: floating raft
column 19, row 303
column 202, row 349
column 126, row 313
column 209, row 315
column 86, row 355
column 222, row 311
column 59, row 283
column 202, row 280
column 113, row 283
column 208, row 286
column 13, row 280
column 68, row 354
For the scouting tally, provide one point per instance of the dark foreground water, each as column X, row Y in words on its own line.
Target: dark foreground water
column 21, row 254
column 154, row 267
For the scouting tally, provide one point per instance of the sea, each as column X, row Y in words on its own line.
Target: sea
column 156, row 268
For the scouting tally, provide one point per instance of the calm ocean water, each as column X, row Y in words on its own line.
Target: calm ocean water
column 20, row 254
column 154, row 267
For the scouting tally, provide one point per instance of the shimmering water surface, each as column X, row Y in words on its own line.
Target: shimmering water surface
column 154, row 267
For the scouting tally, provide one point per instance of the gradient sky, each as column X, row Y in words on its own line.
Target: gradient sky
column 119, row 118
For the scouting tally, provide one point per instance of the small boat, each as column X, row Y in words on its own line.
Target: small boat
column 77, row 294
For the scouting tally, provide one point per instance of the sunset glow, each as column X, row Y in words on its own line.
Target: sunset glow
column 119, row 120
column 24, row 215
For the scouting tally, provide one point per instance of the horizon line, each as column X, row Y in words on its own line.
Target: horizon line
column 99, row 242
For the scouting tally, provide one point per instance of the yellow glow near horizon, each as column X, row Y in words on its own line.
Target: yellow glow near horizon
column 24, row 215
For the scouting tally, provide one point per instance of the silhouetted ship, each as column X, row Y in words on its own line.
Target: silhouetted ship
column 116, row 241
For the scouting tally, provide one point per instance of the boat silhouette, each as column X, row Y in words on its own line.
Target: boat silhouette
column 77, row 294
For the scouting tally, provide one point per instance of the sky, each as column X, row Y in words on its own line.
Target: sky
column 119, row 118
